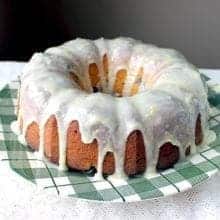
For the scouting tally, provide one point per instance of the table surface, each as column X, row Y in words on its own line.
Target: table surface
column 201, row 202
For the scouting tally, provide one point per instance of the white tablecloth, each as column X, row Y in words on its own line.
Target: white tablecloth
column 19, row 199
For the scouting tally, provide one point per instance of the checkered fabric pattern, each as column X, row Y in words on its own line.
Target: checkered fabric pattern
column 183, row 176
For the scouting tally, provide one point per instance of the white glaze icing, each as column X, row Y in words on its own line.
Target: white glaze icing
column 170, row 97
column 15, row 128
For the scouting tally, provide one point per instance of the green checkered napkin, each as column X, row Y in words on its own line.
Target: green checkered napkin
column 24, row 162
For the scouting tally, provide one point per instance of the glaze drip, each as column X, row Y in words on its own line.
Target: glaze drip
column 160, row 94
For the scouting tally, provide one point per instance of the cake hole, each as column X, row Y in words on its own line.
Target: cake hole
column 96, row 85
column 198, row 131
column 168, row 156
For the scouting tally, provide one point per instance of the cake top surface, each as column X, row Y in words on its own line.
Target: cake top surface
column 169, row 96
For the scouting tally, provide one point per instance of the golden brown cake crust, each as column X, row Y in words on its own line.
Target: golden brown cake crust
column 79, row 156
column 51, row 140
column 135, row 160
column 32, row 135
column 83, row 157
column 168, row 156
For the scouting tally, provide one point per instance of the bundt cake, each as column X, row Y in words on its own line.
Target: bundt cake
column 117, row 107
